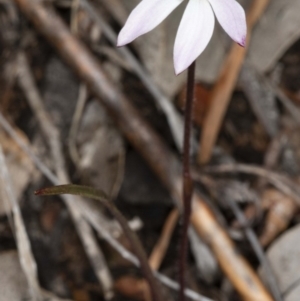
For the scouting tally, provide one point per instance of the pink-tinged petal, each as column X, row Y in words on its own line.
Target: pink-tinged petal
column 147, row 15
column 231, row 16
column 194, row 33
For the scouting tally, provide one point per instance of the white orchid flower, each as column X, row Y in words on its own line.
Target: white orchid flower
column 195, row 29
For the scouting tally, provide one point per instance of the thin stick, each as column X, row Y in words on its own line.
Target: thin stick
column 160, row 249
column 224, row 86
column 74, row 16
column 252, row 238
column 187, row 179
column 82, row 97
column 282, row 183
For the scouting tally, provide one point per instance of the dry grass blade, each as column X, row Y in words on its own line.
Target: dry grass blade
column 225, row 85
column 24, row 248
column 159, row 251
column 85, row 232
column 82, row 98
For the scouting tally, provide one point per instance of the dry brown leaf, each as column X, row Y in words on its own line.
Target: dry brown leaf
column 132, row 287
column 281, row 210
column 201, row 102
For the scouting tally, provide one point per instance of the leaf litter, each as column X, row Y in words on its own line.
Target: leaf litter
column 256, row 117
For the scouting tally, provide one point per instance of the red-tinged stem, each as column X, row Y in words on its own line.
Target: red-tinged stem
column 187, row 180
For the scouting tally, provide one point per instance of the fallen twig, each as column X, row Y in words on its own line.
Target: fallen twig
column 224, row 86
column 252, row 238
column 160, row 249
column 231, row 262
column 282, row 183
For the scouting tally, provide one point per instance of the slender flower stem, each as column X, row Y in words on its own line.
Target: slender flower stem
column 187, row 180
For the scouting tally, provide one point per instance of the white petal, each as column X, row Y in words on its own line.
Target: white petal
column 231, row 16
column 147, row 15
column 194, row 33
